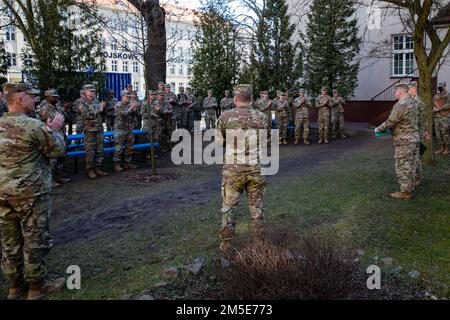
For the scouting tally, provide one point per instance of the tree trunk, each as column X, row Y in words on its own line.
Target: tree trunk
column 426, row 93
column 155, row 53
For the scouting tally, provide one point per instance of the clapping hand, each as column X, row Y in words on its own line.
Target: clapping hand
column 56, row 123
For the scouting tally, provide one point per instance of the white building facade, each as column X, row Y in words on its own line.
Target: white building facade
column 122, row 44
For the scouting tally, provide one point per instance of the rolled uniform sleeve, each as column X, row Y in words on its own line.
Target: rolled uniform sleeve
column 50, row 143
column 393, row 119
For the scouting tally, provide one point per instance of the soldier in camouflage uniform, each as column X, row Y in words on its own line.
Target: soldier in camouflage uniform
column 227, row 102
column 26, row 146
column 77, row 114
column 182, row 109
column 3, row 105
column 123, row 127
column 210, row 105
column 282, row 112
column 423, row 134
column 49, row 108
column 197, row 109
column 302, row 105
column 91, row 113
column 111, row 102
column 136, row 116
column 152, row 119
column 442, row 118
column 189, row 110
column 264, row 104
column 324, row 105
column 241, row 170
column 167, row 111
column 337, row 115
column 403, row 121
column 171, row 99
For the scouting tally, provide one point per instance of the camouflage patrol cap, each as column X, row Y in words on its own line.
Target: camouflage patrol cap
column 264, row 92
column 442, row 84
column 324, row 88
column 210, row 91
column 412, row 84
column 125, row 93
column 283, row 93
column 401, row 85
column 301, row 90
column 227, row 91
column 151, row 92
column 51, row 93
column 161, row 83
column 243, row 89
column 188, row 88
column 10, row 88
column 129, row 85
column 181, row 88
column 111, row 91
column 167, row 85
column 160, row 93
column 89, row 87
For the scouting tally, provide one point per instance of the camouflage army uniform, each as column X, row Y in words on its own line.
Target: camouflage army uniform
column 136, row 118
column 442, row 119
column 110, row 115
column 323, row 103
column 210, row 105
column 302, row 105
column 403, row 121
column 337, row 116
column 171, row 99
column 190, row 111
column 153, row 119
column 182, row 110
column 167, row 111
column 49, row 111
column 123, row 127
column 78, row 118
column 93, row 133
column 282, row 110
column 226, row 104
column 25, row 184
column 266, row 107
column 239, row 177
column 197, row 109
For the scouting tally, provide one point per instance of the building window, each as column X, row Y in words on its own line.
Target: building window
column 188, row 55
column 189, row 71
column 136, row 86
column 172, row 69
column 11, row 59
column 10, row 34
column 113, row 45
column 180, row 70
column 124, row 45
column 180, row 84
column 114, row 65
column 125, row 66
column 403, row 55
column 135, row 67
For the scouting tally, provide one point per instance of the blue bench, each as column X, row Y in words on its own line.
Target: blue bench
column 109, row 138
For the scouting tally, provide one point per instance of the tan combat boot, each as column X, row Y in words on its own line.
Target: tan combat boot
column 100, row 173
column 129, row 165
column 226, row 236
column 320, row 141
column 440, row 150
column 17, row 289
column 285, row 141
column 402, row 195
column 91, row 174
column 117, row 167
column 326, row 141
column 306, row 141
column 55, row 184
column 297, row 141
column 41, row 289
column 445, row 151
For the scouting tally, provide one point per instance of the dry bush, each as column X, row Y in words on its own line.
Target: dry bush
column 281, row 266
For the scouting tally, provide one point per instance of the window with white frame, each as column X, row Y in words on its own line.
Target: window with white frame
column 180, row 70
column 10, row 33
column 125, row 45
column 172, row 69
column 125, row 66
column 136, row 86
column 188, row 55
column 403, row 55
column 180, row 55
column 113, row 45
column 135, row 67
column 114, row 65
column 11, row 59
column 180, row 84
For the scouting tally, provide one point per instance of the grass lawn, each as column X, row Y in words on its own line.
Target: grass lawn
column 347, row 200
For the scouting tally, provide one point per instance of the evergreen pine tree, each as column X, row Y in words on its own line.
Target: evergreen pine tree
column 215, row 61
column 332, row 46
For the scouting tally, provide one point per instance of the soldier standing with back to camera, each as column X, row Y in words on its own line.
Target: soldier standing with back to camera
column 25, row 185
column 403, row 121
column 111, row 102
column 93, row 132
column 242, row 168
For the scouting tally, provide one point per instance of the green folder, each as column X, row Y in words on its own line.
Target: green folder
column 387, row 132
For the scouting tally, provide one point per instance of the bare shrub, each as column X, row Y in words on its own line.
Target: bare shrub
column 282, row 266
